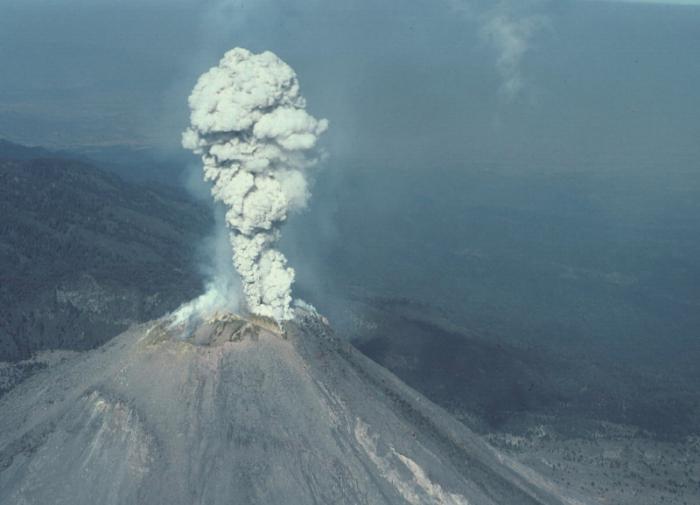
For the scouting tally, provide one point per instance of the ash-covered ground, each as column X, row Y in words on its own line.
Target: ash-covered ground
column 242, row 411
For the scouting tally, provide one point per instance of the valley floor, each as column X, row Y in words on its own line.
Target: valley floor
column 618, row 435
column 614, row 464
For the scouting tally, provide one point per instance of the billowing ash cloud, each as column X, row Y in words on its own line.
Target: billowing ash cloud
column 249, row 125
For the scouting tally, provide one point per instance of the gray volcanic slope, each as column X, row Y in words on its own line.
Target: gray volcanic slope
column 240, row 414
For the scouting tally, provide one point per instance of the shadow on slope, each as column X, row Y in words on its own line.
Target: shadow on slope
column 505, row 386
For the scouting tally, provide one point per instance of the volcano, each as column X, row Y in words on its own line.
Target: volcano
column 235, row 410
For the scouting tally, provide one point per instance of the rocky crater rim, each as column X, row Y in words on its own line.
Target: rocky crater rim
column 222, row 327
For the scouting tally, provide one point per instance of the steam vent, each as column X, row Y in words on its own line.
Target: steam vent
column 239, row 410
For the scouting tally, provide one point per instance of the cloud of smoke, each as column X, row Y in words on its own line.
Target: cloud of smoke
column 222, row 288
column 510, row 36
column 508, row 28
column 248, row 122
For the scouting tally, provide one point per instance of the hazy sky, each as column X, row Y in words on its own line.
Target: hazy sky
column 425, row 76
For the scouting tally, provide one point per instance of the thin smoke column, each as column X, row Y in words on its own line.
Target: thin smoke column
column 249, row 124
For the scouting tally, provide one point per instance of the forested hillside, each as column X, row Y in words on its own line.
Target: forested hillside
column 83, row 254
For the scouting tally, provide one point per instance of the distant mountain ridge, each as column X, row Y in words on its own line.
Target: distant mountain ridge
column 135, row 164
column 10, row 150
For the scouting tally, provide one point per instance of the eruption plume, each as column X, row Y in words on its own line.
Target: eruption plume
column 249, row 125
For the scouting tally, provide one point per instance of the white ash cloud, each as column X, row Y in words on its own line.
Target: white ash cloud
column 249, row 124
